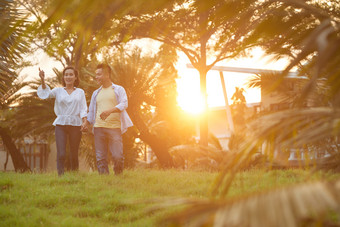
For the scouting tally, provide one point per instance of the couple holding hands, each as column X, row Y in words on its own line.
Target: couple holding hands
column 107, row 113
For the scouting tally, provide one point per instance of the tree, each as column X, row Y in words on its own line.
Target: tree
column 69, row 44
column 307, row 31
column 74, row 31
column 62, row 43
column 12, row 46
column 150, row 84
column 204, row 30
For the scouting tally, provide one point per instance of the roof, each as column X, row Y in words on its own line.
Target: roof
column 292, row 75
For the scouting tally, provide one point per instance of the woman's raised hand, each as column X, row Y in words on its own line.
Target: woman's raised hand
column 42, row 77
column 41, row 74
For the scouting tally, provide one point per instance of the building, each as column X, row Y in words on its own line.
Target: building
column 220, row 121
column 38, row 155
column 35, row 154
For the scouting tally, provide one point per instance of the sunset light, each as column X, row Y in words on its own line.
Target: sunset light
column 123, row 113
column 188, row 85
column 188, row 88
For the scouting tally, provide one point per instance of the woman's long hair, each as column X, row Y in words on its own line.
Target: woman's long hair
column 76, row 82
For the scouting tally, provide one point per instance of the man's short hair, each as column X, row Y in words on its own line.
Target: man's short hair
column 104, row 66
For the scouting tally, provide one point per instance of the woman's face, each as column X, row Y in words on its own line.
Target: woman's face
column 69, row 77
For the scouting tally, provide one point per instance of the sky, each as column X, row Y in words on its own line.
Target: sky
column 188, row 86
column 42, row 60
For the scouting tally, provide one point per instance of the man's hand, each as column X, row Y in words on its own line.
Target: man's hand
column 106, row 113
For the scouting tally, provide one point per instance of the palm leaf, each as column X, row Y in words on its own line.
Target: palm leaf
column 301, row 204
column 298, row 126
column 197, row 156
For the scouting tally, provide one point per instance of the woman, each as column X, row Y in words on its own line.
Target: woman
column 71, row 110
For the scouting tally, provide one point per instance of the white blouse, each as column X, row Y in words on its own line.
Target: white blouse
column 69, row 108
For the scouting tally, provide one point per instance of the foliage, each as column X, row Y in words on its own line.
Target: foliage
column 150, row 85
column 304, row 204
column 271, row 82
column 305, row 31
column 288, row 89
column 192, row 27
column 313, row 41
column 27, row 115
column 73, row 32
column 308, row 33
column 12, row 45
column 207, row 32
column 70, row 42
column 213, row 157
column 197, row 157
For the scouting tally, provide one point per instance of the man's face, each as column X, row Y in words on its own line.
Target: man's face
column 101, row 76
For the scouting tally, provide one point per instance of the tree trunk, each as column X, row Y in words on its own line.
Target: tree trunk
column 159, row 149
column 17, row 159
column 157, row 145
column 203, row 18
column 204, row 115
column 78, row 53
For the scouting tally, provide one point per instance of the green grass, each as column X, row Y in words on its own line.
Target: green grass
column 88, row 199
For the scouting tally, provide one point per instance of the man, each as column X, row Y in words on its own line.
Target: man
column 107, row 114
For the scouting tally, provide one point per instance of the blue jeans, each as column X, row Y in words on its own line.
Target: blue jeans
column 73, row 135
column 109, row 140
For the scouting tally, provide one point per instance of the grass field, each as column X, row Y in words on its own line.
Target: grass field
column 88, row 199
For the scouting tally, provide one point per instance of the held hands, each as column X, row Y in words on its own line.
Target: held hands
column 84, row 126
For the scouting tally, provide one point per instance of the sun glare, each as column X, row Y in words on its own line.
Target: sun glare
column 188, row 85
column 188, row 88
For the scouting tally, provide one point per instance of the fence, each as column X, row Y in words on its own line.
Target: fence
column 35, row 155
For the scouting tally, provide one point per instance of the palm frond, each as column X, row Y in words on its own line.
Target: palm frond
column 297, row 205
column 330, row 163
column 196, row 156
column 298, row 126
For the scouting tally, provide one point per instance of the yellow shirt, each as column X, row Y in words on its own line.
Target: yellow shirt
column 106, row 100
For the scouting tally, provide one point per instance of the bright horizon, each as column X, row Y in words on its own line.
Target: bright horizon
column 188, row 85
